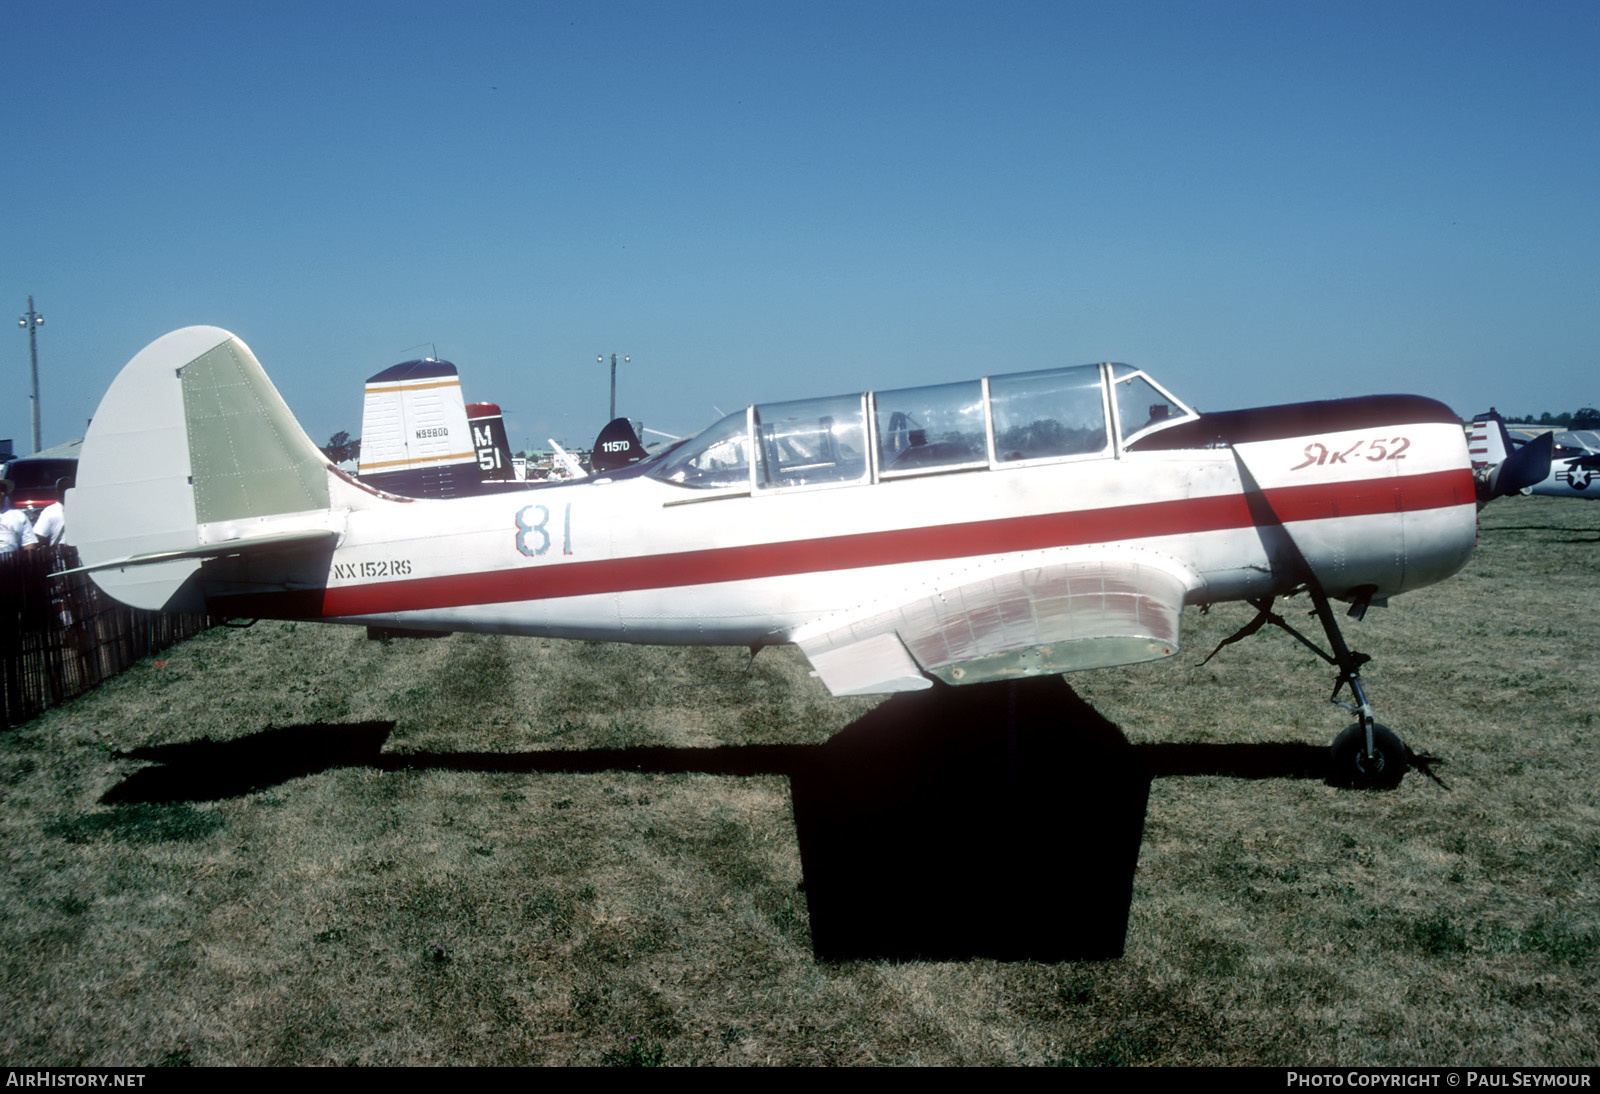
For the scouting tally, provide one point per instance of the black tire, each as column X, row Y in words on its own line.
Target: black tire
column 1350, row 766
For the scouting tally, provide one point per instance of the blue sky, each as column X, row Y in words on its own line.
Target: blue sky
column 1257, row 202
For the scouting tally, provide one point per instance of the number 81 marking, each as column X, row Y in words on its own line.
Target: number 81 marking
column 540, row 529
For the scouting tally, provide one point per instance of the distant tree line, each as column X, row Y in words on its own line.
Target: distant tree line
column 1587, row 418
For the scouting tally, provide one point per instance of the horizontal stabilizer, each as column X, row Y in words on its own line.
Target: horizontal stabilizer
column 283, row 541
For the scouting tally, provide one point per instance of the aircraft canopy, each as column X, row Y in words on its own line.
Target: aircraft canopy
column 1083, row 412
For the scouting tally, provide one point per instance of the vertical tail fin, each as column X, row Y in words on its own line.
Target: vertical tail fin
column 190, row 433
column 1489, row 443
column 414, row 436
column 490, row 443
column 616, row 446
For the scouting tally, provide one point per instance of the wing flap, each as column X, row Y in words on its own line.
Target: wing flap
column 1057, row 617
column 869, row 667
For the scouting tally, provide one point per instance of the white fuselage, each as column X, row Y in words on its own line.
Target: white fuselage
column 988, row 529
column 1381, row 509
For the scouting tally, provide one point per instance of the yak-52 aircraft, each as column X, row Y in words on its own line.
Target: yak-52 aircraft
column 1011, row 526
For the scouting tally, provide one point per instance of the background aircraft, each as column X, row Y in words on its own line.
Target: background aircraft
column 415, row 439
column 421, row 440
column 1574, row 461
column 490, row 444
column 990, row 530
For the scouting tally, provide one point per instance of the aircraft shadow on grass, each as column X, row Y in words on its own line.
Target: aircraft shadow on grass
column 996, row 820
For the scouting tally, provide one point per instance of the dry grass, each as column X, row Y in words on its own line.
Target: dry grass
column 300, row 896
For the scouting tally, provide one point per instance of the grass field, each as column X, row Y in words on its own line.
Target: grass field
column 290, row 845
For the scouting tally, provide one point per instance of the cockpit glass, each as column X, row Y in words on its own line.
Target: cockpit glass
column 1050, row 414
column 927, row 428
column 1141, row 405
column 717, row 458
column 812, row 441
column 1057, row 412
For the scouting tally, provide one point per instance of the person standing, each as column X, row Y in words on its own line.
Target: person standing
column 52, row 523
column 16, row 531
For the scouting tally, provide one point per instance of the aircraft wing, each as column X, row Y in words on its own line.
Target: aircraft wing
column 573, row 469
column 1061, row 615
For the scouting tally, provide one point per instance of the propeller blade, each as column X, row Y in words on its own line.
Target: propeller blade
column 1524, row 467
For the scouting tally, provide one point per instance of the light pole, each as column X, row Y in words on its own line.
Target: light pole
column 33, row 321
column 601, row 359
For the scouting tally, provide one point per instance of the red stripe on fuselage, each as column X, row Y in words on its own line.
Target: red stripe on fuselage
column 925, row 544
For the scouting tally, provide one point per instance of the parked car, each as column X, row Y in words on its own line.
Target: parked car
column 35, row 477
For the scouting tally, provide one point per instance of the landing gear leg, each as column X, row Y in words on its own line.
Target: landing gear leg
column 1366, row 755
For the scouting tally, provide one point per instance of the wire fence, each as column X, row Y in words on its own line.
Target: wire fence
column 61, row 636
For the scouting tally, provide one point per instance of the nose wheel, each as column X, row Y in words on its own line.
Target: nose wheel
column 1378, row 764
